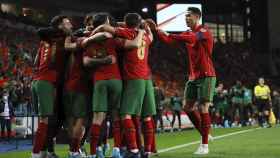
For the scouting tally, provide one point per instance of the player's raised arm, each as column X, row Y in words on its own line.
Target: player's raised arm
column 148, row 30
column 136, row 42
column 187, row 37
column 100, row 36
column 163, row 36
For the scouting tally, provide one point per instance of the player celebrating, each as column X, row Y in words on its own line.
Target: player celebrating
column 50, row 56
column 107, row 84
column 200, row 88
column 138, row 96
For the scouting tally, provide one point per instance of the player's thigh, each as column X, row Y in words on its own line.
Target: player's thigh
column 100, row 96
column 149, row 105
column 132, row 98
column 34, row 96
column 206, row 89
column 115, row 94
column 46, row 97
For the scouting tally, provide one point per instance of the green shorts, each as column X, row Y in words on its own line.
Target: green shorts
column 75, row 104
column 107, row 95
column 34, row 96
column 201, row 90
column 138, row 98
column 43, row 96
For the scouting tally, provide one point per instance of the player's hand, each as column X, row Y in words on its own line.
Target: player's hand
column 165, row 33
column 151, row 24
column 113, row 59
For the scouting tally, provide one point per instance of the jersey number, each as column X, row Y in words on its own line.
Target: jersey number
column 141, row 51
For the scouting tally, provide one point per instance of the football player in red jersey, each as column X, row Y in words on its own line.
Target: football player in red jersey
column 199, row 89
column 48, row 77
column 138, row 96
column 107, row 81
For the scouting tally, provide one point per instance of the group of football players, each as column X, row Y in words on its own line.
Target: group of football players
column 102, row 69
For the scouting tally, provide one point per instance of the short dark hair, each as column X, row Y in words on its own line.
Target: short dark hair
column 195, row 10
column 57, row 20
column 132, row 19
column 87, row 19
column 100, row 18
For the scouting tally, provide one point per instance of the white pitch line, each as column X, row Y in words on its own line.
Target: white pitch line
column 197, row 142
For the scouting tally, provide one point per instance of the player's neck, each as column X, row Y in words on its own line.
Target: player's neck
column 195, row 26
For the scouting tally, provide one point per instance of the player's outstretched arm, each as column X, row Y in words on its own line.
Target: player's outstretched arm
column 91, row 62
column 100, row 36
column 104, row 28
column 188, row 37
column 70, row 45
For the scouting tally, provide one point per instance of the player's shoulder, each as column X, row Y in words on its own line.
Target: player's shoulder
column 126, row 29
column 204, row 28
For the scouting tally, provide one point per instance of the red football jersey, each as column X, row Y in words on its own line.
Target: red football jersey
column 46, row 70
column 135, row 63
column 199, row 46
column 108, row 47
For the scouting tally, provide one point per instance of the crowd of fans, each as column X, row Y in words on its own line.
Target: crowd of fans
column 18, row 48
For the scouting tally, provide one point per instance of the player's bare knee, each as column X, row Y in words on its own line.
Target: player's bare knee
column 148, row 118
column 127, row 116
column 98, row 118
column 204, row 106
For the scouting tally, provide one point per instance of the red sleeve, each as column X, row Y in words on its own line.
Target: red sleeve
column 165, row 38
column 124, row 33
column 187, row 37
column 203, row 34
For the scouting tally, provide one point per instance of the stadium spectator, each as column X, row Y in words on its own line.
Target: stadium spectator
column 6, row 114
column 237, row 106
column 221, row 106
column 159, row 97
column 176, row 103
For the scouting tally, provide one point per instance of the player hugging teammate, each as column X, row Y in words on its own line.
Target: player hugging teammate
column 103, row 70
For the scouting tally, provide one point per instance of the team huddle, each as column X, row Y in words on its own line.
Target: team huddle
column 102, row 70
